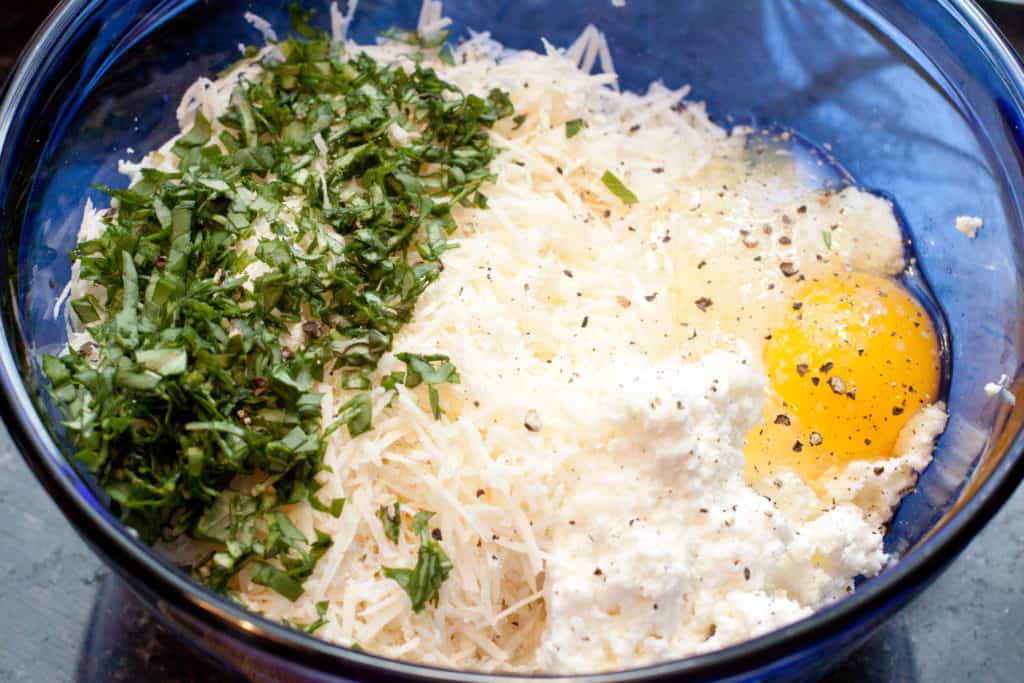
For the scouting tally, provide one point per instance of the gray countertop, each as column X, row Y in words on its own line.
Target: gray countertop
column 66, row 618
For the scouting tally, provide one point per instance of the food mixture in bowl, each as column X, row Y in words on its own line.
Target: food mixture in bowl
column 460, row 354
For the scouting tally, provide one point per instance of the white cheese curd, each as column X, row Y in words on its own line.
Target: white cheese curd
column 588, row 475
column 1001, row 390
column 969, row 225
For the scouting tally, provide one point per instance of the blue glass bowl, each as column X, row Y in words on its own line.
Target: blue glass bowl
column 920, row 99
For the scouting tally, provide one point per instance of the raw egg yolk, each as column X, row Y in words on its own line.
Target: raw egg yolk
column 854, row 359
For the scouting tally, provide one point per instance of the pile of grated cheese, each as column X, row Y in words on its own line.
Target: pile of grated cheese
column 558, row 294
column 551, row 236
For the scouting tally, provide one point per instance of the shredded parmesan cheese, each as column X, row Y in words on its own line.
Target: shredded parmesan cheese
column 261, row 25
column 341, row 21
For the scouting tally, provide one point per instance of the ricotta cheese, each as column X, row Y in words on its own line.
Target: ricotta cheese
column 969, row 225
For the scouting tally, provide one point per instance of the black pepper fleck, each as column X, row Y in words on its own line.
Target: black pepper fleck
column 259, row 385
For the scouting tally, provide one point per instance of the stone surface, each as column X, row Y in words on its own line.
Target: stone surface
column 966, row 627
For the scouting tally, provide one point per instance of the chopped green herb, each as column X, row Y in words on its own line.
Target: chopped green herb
column 334, row 509
column 618, row 189
column 518, row 119
column 435, row 402
column 300, row 18
column 423, row 582
column 280, row 581
column 413, row 38
column 826, row 237
column 198, row 136
column 56, row 370
column 321, row 613
column 445, row 55
column 187, row 385
column 356, row 414
column 574, row 126
column 432, row 370
column 86, row 308
column 163, row 361
column 392, row 521
column 286, row 580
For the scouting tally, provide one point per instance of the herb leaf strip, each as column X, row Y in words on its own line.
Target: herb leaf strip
column 291, row 240
column 423, row 582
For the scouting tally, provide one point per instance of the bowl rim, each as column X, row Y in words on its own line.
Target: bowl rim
column 146, row 572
